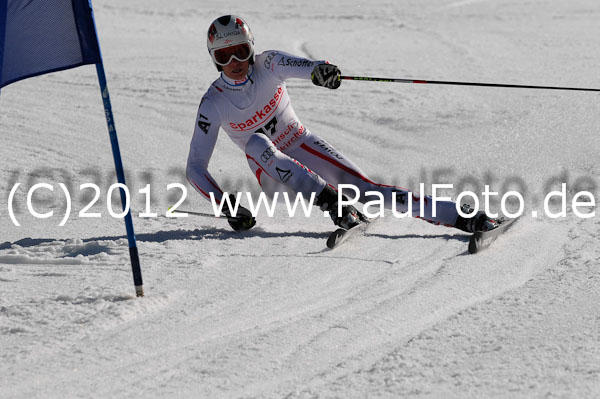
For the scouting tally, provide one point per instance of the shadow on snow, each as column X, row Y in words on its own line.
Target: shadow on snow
column 224, row 234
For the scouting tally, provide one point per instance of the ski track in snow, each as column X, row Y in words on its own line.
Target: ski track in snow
column 402, row 311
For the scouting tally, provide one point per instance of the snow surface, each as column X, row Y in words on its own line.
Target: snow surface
column 403, row 311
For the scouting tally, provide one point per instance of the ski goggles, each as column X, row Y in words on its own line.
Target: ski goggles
column 240, row 52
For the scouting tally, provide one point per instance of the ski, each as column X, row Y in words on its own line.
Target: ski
column 480, row 240
column 339, row 236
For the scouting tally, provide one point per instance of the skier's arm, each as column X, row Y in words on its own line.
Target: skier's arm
column 284, row 66
column 201, row 149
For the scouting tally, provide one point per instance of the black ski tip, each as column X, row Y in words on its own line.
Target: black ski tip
column 341, row 235
column 483, row 239
column 334, row 237
column 474, row 244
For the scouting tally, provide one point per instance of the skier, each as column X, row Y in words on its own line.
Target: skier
column 250, row 102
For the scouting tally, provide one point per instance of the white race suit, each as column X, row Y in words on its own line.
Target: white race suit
column 282, row 153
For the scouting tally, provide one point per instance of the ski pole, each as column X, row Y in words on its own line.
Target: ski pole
column 441, row 82
column 208, row 215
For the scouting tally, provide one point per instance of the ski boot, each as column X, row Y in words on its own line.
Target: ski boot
column 328, row 201
column 478, row 222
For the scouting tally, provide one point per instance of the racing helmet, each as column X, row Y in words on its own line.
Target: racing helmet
column 230, row 37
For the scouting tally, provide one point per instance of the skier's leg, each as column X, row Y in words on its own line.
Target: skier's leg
column 278, row 172
column 336, row 168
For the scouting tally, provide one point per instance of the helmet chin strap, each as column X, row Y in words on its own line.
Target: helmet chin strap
column 250, row 70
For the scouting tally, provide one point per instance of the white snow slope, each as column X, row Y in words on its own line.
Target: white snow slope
column 401, row 312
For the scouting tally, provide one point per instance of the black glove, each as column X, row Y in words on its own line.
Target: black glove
column 327, row 75
column 243, row 219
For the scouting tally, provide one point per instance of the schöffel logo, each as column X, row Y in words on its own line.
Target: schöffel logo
column 292, row 62
column 261, row 115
